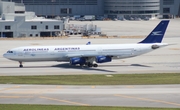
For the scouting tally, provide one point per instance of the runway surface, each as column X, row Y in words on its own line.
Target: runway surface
column 130, row 95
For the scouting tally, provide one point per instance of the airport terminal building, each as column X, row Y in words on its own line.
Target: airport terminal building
column 63, row 7
column 131, row 8
column 16, row 22
column 170, row 8
column 107, row 8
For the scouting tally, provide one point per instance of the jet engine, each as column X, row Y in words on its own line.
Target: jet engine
column 103, row 59
column 77, row 60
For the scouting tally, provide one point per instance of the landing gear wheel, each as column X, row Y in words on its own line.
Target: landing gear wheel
column 81, row 65
column 20, row 64
column 95, row 65
column 89, row 64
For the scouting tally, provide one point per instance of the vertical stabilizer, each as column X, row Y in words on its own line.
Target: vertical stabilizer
column 157, row 34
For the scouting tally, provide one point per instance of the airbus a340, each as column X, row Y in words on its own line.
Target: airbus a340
column 87, row 55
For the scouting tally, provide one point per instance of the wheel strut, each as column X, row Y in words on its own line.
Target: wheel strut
column 92, row 65
column 20, row 64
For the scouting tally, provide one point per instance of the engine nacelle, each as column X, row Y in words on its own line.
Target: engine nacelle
column 77, row 60
column 155, row 46
column 103, row 59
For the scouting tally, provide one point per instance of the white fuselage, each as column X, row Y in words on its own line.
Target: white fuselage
column 64, row 53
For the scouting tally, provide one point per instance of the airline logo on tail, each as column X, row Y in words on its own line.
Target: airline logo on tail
column 157, row 33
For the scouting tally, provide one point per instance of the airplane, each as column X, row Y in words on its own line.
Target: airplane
column 86, row 55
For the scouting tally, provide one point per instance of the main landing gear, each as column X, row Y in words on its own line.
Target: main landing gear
column 88, row 64
column 92, row 65
column 20, row 64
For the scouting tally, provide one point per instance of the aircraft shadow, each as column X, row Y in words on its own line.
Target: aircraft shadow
column 67, row 66
column 139, row 65
column 135, row 65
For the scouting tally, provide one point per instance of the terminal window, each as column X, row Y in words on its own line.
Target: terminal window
column 46, row 26
column 66, row 10
column 56, row 27
column 168, row 2
column 166, row 10
column 7, row 27
column 33, row 27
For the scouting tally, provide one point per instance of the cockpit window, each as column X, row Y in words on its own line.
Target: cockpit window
column 9, row 51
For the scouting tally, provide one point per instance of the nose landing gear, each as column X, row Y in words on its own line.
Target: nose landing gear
column 20, row 64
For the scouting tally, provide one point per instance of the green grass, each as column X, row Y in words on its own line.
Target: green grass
column 117, row 79
column 58, row 107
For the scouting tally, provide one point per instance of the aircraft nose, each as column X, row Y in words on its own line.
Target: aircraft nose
column 6, row 55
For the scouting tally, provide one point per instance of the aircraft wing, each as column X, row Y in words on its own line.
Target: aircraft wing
column 80, row 55
column 74, row 55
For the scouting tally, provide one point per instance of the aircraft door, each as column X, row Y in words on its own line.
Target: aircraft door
column 99, row 50
column 19, row 53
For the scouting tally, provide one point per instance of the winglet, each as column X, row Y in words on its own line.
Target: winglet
column 157, row 34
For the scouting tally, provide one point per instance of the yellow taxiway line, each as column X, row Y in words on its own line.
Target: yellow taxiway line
column 146, row 99
column 65, row 101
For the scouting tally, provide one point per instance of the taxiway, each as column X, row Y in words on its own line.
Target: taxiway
column 127, row 95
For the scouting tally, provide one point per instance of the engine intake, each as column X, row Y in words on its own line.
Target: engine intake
column 103, row 59
column 77, row 60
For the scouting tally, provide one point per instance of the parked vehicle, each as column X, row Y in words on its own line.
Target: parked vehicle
column 89, row 17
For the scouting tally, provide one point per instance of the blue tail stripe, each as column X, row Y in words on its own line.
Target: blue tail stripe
column 157, row 34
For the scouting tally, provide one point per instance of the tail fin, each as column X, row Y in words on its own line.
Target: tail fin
column 157, row 34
